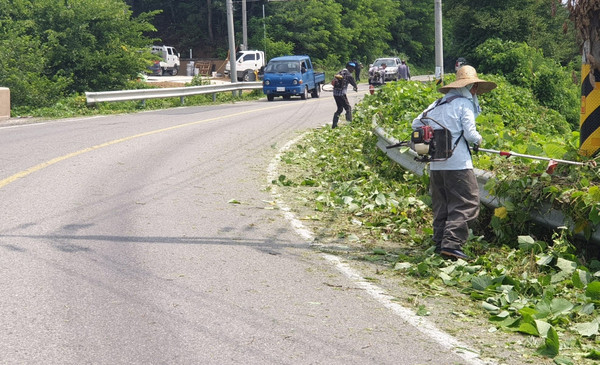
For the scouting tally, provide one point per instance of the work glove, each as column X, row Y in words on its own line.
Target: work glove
column 356, row 89
column 476, row 147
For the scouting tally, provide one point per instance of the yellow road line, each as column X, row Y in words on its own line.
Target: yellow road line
column 53, row 161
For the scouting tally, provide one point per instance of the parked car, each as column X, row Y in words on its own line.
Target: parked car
column 168, row 62
column 391, row 69
column 291, row 75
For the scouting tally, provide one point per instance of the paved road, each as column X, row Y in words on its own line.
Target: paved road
column 120, row 243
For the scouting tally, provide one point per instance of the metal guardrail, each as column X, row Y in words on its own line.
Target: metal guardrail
column 171, row 92
column 544, row 215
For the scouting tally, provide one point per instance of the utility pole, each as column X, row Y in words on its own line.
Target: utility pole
column 244, row 27
column 439, row 43
column 264, row 32
column 231, row 34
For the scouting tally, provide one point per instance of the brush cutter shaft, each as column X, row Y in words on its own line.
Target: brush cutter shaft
column 508, row 154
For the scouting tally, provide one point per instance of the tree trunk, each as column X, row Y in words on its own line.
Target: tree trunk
column 211, row 36
column 585, row 14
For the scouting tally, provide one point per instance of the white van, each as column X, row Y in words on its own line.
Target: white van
column 246, row 63
column 169, row 62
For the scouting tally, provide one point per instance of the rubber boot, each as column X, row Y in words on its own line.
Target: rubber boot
column 349, row 116
column 335, row 121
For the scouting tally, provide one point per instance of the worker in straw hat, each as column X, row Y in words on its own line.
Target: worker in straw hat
column 453, row 186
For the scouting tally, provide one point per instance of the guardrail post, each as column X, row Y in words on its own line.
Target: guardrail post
column 182, row 100
column 4, row 102
column 214, row 97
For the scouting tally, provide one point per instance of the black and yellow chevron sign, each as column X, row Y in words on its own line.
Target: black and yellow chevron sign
column 589, row 122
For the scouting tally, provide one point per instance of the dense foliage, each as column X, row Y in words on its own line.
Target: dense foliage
column 342, row 29
column 56, row 48
column 553, row 85
column 365, row 29
column 53, row 48
column 541, row 24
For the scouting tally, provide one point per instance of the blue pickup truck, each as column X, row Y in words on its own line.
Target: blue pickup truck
column 291, row 75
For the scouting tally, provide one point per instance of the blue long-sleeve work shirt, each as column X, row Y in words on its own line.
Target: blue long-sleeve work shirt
column 458, row 115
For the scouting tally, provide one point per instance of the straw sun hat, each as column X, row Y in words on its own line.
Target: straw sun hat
column 467, row 75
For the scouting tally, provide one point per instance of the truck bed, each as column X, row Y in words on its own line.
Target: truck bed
column 320, row 77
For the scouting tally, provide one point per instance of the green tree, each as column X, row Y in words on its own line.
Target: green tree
column 526, row 66
column 367, row 24
column 57, row 47
column 414, row 31
column 313, row 27
column 23, row 59
column 539, row 23
column 342, row 29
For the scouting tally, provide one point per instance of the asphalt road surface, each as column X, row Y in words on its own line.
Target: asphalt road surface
column 148, row 239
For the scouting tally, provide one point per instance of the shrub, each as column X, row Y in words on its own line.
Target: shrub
column 525, row 66
column 52, row 48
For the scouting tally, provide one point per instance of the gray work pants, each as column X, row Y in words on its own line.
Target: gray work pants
column 455, row 198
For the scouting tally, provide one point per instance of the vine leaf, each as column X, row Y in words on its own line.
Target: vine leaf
column 551, row 345
column 481, row 282
column 587, row 329
column 593, row 290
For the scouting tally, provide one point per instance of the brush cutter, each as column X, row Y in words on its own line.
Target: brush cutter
column 552, row 162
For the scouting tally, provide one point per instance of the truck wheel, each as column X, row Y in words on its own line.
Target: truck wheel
column 316, row 91
column 161, row 72
column 304, row 94
column 270, row 97
column 249, row 76
column 175, row 71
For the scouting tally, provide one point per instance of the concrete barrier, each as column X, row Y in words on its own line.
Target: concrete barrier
column 4, row 102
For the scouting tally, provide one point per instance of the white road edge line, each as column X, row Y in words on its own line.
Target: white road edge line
column 444, row 339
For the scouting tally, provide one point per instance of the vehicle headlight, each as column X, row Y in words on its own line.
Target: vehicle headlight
column 295, row 82
column 267, row 82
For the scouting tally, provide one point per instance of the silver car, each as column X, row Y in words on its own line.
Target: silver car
column 391, row 69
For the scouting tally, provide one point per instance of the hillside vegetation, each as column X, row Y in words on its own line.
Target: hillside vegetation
column 530, row 280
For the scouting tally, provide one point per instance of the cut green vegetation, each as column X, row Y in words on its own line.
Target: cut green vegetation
column 530, row 280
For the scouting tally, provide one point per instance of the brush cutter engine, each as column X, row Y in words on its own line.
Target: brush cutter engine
column 422, row 140
column 432, row 145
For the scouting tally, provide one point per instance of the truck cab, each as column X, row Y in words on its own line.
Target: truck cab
column 247, row 64
column 291, row 76
column 168, row 62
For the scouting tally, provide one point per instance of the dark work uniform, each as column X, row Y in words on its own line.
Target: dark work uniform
column 341, row 100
